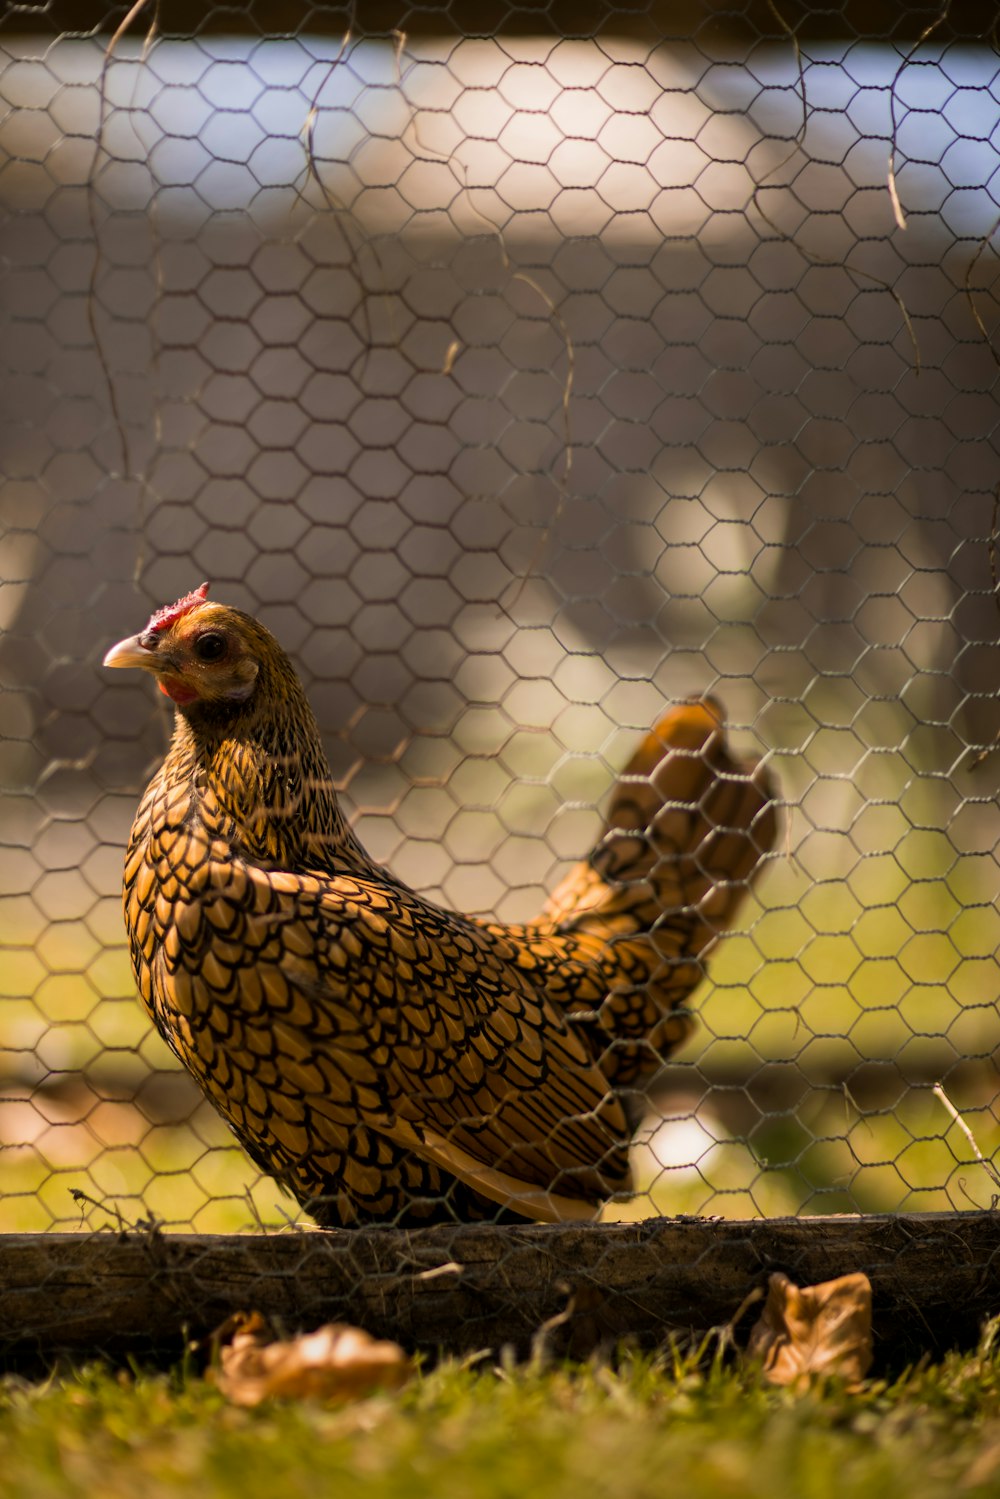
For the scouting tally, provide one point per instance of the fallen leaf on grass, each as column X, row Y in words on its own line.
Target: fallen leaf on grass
column 814, row 1331
column 334, row 1363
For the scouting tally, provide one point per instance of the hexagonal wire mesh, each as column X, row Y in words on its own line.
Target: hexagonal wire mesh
column 521, row 384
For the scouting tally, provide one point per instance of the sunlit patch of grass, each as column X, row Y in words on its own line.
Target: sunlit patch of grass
column 822, row 1154
column 815, row 970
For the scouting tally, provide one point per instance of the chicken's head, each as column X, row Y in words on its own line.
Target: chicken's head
column 199, row 652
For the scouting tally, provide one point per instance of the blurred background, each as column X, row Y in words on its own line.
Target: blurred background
column 523, row 372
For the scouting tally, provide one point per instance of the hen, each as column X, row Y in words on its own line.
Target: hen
column 384, row 1059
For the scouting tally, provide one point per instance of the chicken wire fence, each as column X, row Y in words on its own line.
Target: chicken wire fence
column 522, row 380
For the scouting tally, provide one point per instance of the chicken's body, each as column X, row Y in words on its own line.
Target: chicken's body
column 387, row 1060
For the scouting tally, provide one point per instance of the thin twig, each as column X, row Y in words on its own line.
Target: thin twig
column 853, row 271
column 849, row 1099
column 133, row 15
column 148, row 1226
column 792, row 35
column 991, row 552
column 992, row 546
column 925, row 35
column 726, row 1334
column 254, row 1210
column 540, row 1339
column 988, row 1166
column 340, row 213
column 810, row 255
column 987, row 239
column 158, row 284
column 451, row 1268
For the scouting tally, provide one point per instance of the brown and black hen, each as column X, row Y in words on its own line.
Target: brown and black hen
column 384, row 1059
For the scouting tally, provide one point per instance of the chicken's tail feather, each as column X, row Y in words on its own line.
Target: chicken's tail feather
column 687, row 829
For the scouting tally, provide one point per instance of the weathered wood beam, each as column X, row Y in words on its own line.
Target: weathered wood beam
column 935, row 1277
column 714, row 23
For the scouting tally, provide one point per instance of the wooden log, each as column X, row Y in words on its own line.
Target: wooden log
column 935, row 1277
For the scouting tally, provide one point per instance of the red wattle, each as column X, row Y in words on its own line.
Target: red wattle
column 177, row 692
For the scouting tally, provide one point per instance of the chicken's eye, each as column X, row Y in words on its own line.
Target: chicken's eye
column 210, row 647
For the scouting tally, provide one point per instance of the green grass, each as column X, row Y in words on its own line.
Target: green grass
column 650, row 1428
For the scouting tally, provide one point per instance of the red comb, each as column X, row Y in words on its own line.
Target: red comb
column 164, row 618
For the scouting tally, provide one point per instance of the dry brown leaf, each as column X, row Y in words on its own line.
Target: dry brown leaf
column 335, row 1363
column 812, row 1332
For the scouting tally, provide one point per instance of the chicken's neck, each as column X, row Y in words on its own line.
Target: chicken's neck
column 262, row 783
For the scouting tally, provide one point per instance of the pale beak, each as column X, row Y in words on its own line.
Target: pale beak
column 130, row 653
